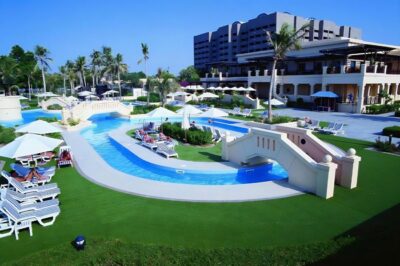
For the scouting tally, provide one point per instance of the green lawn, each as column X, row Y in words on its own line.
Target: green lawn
column 199, row 154
column 124, row 229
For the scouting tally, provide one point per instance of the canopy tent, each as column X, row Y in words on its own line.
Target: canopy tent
column 274, row 102
column 46, row 94
column 189, row 109
column 208, row 95
column 214, row 112
column 161, row 112
column 85, row 93
column 38, row 127
column 29, row 144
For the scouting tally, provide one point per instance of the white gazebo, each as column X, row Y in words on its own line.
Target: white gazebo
column 38, row 127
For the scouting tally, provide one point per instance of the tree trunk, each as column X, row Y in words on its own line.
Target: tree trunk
column 65, row 87
column 119, row 85
column 145, row 84
column 93, row 78
column 271, row 88
column 44, row 81
column 29, row 88
column 71, row 83
column 84, row 79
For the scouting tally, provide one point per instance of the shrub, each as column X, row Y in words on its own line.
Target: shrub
column 380, row 109
column 143, row 109
column 281, row 119
column 299, row 103
column 394, row 131
column 54, row 107
column 154, row 98
column 397, row 113
column 172, row 108
column 48, row 119
column 7, row 134
column 385, row 146
column 193, row 136
column 73, row 122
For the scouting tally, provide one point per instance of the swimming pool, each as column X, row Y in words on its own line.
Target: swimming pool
column 29, row 116
column 124, row 160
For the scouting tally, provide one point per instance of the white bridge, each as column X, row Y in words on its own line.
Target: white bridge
column 85, row 110
column 311, row 164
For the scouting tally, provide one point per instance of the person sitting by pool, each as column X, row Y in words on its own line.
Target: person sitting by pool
column 162, row 137
column 193, row 124
column 32, row 174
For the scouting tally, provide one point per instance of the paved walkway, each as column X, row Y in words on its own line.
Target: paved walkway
column 357, row 126
column 94, row 168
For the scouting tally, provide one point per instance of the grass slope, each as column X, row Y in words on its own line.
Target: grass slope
column 199, row 154
column 300, row 222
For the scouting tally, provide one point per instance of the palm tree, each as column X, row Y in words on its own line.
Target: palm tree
column 286, row 40
column 80, row 65
column 43, row 60
column 106, row 60
column 116, row 68
column 64, row 74
column 70, row 68
column 8, row 67
column 164, row 83
column 95, row 63
column 145, row 53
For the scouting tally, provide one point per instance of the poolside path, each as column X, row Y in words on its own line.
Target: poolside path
column 93, row 167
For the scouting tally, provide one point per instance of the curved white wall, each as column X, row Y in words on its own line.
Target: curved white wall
column 10, row 108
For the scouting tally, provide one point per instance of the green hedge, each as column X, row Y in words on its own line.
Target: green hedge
column 385, row 146
column 54, row 107
column 394, row 131
column 381, row 109
column 221, row 104
column 172, row 108
column 143, row 109
column 397, row 113
column 194, row 136
column 48, row 119
column 154, row 98
column 7, row 134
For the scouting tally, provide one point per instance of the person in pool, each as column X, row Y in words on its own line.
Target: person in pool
column 210, row 121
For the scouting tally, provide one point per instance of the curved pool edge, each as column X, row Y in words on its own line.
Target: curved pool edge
column 91, row 166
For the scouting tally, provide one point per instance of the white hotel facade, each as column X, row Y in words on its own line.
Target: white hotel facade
column 356, row 70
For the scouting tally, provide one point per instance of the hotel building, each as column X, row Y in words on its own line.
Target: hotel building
column 332, row 58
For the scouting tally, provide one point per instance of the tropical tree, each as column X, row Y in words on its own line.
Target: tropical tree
column 80, row 65
column 116, row 68
column 164, row 83
column 282, row 42
column 95, row 65
column 28, row 68
column 145, row 54
column 43, row 60
column 70, row 68
column 189, row 74
column 107, row 60
column 64, row 73
column 7, row 72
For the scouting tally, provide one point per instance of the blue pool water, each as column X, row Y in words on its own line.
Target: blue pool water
column 124, row 160
column 29, row 116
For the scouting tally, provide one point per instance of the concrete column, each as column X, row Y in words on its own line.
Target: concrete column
column 385, row 69
column 375, row 68
column 312, row 89
column 220, row 75
column 266, row 72
column 249, row 73
column 227, row 74
column 363, row 68
column 257, row 72
column 282, row 72
column 296, row 89
column 324, row 70
column 207, row 75
column 360, row 100
column 342, row 69
column 349, row 173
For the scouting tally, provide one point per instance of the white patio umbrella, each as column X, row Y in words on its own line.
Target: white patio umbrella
column 29, row 144
column 250, row 89
column 161, row 112
column 178, row 93
column 110, row 92
column 189, row 109
column 92, row 97
column 38, row 127
column 46, row 94
column 214, row 112
column 208, row 95
column 274, row 102
column 210, row 88
column 22, row 97
column 85, row 93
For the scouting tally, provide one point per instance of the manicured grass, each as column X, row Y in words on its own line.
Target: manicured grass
column 140, row 230
column 199, row 154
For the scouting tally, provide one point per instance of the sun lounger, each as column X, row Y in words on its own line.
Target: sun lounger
column 235, row 111
column 30, row 205
column 27, row 187
column 219, row 134
column 327, row 129
column 139, row 134
column 41, row 216
column 314, row 125
column 150, row 128
column 65, row 157
column 149, row 142
column 34, row 196
column 246, row 112
column 167, row 152
column 48, row 172
column 264, row 114
column 6, row 226
column 336, row 129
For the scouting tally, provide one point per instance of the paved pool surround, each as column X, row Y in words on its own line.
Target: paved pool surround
column 92, row 166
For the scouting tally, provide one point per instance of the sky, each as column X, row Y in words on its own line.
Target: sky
column 76, row 27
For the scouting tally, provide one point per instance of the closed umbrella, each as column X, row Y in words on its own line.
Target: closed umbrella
column 29, row 144
column 38, row 127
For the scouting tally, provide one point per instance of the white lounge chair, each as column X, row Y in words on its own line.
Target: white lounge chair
column 6, row 226
column 314, row 125
column 27, row 187
column 219, row 134
column 30, row 205
column 150, row 145
column 34, row 196
column 41, row 216
column 64, row 162
column 327, row 129
column 337, row 129
column 235, row 111
column 246, row 112
column 167, row 152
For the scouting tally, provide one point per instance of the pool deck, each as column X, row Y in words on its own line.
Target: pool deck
column 93, row 167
